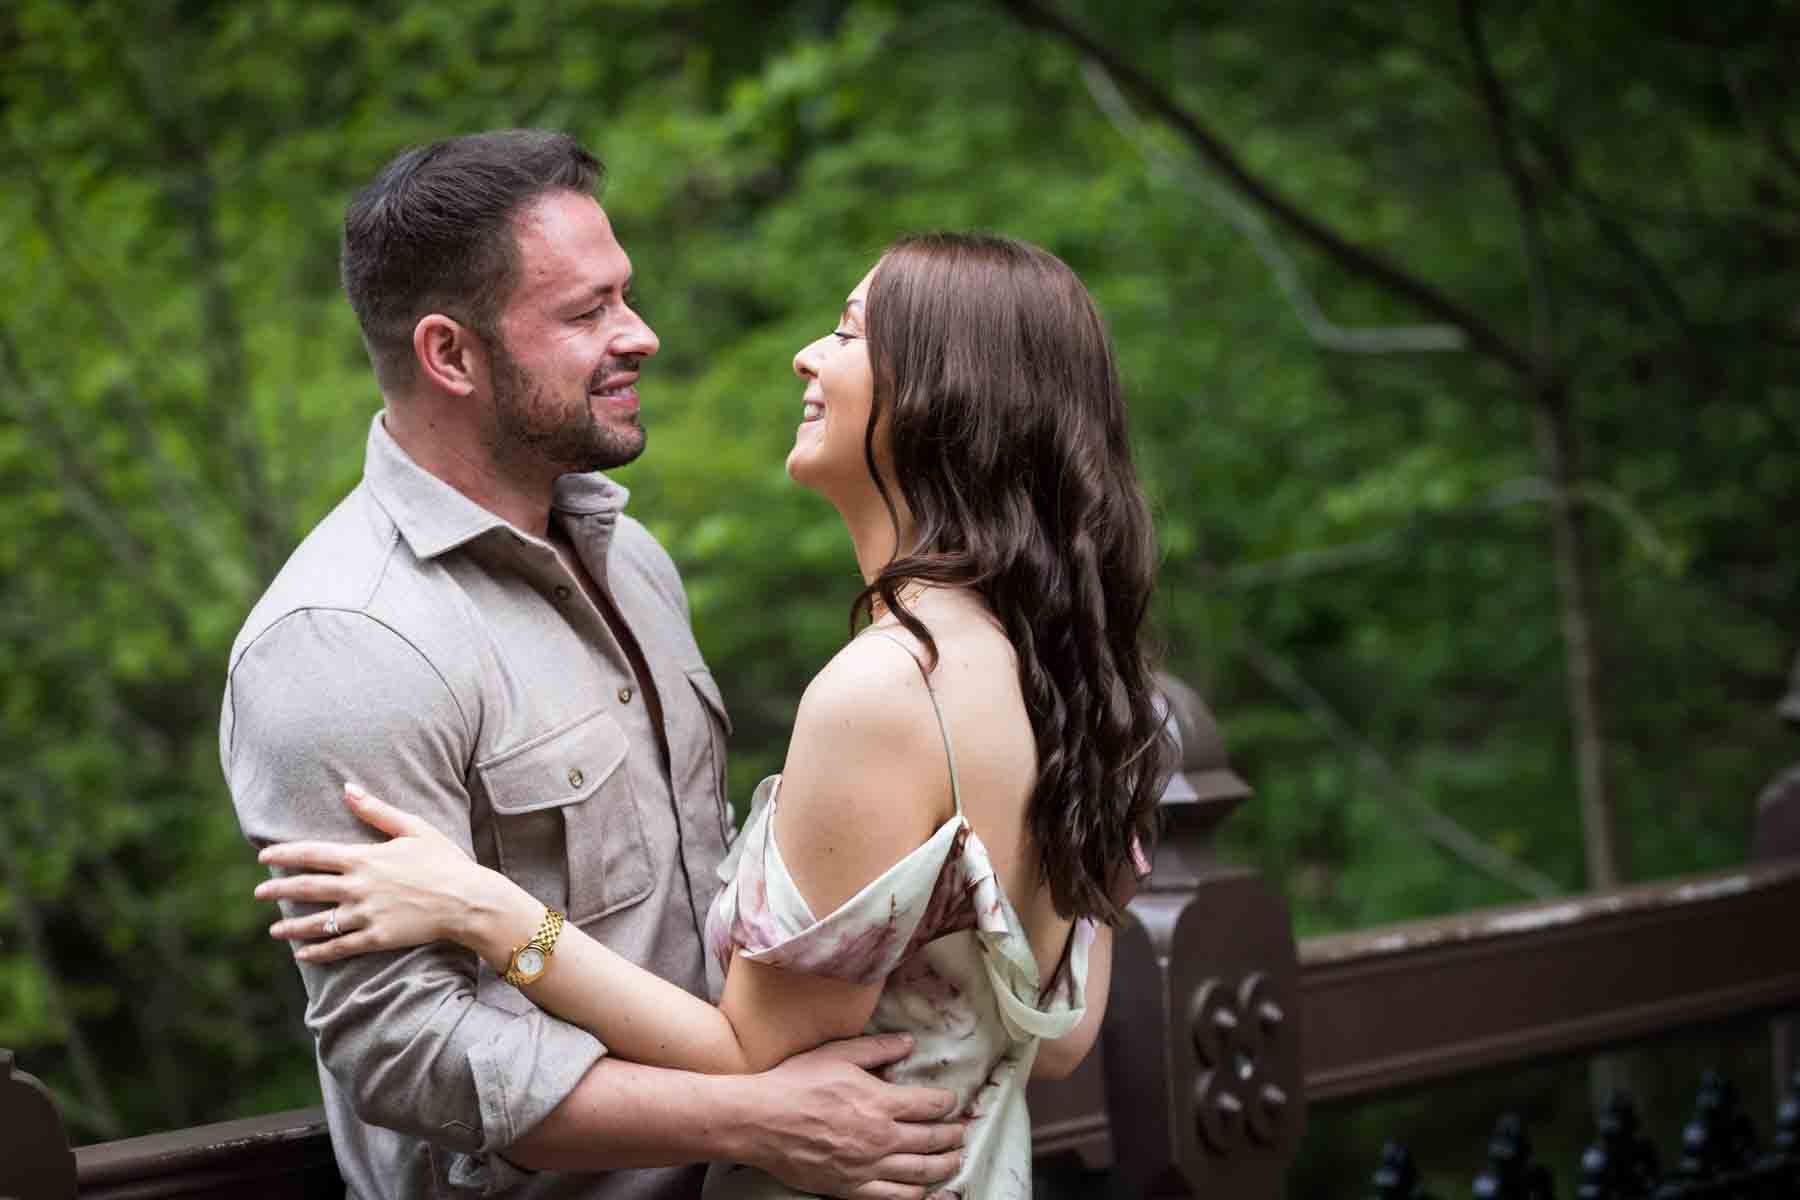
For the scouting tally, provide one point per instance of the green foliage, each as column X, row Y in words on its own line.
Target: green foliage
column 1358, row 565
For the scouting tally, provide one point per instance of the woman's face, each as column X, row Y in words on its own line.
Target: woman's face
column 840, row 391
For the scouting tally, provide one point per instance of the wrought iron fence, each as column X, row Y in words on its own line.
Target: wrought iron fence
column 1719, row 1157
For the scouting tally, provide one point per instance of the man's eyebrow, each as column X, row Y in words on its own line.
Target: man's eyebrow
column 600, row 291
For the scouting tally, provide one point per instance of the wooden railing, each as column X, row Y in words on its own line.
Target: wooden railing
column 1221, row 1030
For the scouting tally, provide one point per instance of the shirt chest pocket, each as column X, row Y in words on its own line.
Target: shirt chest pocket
column 717, row 729
column 566, row 821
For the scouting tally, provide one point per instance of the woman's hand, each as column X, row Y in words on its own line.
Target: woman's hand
column 415, row 888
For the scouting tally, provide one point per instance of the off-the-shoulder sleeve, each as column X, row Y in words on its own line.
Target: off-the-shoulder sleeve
column 945, row 886
column 863, row 939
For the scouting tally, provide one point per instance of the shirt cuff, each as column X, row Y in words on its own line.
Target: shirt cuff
column 522, row 1072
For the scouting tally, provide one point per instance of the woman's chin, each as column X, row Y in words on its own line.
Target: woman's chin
column 799, row 466
column 803, row 465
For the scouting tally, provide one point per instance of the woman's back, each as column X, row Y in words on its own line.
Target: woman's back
column 947, row 929
column 976, row 687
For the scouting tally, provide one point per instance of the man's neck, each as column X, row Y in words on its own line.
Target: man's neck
column 520, row 498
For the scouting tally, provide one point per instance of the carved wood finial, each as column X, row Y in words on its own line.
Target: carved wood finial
column 1202, row 793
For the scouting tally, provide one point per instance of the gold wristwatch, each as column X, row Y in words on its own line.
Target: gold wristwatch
column 528, row 961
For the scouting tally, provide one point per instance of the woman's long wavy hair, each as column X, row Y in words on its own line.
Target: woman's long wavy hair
column 1006, row 421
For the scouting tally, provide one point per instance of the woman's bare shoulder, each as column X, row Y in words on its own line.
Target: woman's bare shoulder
column 865, row 781
column 867, row 685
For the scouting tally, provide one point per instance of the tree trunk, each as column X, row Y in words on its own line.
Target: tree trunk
column 1581, row 658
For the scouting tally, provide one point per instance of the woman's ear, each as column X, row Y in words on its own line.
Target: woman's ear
column 449, row 354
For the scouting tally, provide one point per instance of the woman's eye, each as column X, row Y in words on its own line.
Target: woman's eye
column 843, row 337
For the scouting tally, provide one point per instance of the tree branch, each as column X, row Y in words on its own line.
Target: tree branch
column 1581, row 657
column 1358, row 260
column 87, row 494
column 221, row 336
column 1531, row 228
column 1556, row 445
column 1438, row 827
column 1323, row 560
column 1392, row 339
column 1556, row 155
column 228, row 375
column 133, row 405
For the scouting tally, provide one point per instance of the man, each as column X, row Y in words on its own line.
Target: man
column 478, row 633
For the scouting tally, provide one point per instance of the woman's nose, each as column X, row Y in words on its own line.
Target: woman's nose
column 803, row 361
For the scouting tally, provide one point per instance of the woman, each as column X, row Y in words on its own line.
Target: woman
column 969, row 778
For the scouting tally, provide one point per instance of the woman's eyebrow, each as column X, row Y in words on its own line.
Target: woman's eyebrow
column 850, row 305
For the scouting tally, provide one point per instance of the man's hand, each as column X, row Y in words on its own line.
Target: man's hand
column 832, row 1127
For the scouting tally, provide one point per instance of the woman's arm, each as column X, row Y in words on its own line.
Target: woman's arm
column 1058, row 1058
column 854, row 800
column 420, row 887
column 647, row 1019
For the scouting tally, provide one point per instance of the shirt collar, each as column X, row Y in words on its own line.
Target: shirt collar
column 434, row 517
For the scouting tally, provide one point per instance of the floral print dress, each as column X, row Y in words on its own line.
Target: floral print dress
column 959, row 973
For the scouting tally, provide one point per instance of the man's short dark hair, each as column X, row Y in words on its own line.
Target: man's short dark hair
column 433, row 233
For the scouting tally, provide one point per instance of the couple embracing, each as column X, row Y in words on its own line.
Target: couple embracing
column 470, row 728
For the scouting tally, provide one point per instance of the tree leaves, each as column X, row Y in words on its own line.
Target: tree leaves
column 183, row 392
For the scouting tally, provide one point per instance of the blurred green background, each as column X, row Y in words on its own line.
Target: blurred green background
column 1592, row 209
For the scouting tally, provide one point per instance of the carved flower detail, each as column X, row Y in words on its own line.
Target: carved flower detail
column 1232, row 1027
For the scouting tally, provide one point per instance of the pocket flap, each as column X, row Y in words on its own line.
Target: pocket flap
column 564, row 766
column 708, row 688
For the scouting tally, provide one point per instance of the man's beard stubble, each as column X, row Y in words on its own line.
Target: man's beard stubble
column 527, row 421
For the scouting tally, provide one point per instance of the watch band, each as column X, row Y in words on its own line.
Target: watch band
column 544, row 942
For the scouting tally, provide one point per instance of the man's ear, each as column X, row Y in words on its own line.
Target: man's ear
column 450, row 356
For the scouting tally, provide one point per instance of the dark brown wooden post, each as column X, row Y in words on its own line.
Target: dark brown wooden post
column 1201, row 1041
column 1778, row 836
column 35, row 1160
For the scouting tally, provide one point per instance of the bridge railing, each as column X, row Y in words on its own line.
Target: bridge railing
column 1221, row 1029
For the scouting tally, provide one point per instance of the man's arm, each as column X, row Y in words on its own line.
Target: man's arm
column 820, row 1122
column 328, row 696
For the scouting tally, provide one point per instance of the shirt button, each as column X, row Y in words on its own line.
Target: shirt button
column 575, row 777
column 562, row 592
column 624, row 695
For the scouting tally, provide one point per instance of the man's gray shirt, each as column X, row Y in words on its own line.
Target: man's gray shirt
column 423, row 647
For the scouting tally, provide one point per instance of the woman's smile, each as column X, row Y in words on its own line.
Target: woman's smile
column 828, row 449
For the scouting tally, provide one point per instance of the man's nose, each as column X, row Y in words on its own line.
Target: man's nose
column 639, row 340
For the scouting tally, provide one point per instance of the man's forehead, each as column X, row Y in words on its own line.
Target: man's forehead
column 566, row 243
column 557, row 213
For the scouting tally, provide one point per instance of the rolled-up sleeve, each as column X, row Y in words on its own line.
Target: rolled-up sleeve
column 328, row 696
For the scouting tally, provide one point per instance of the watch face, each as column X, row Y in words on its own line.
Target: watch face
column 531, row 962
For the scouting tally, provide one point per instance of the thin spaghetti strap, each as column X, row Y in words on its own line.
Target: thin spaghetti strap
column 943, row 727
